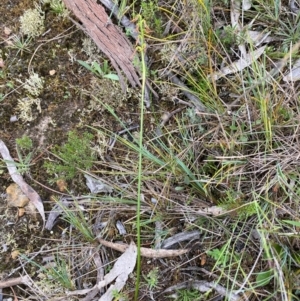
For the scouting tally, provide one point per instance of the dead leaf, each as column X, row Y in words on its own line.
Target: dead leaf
column 180, row 237
column 235, row 15
column 213, row 210
column 203, row 259
column 246, row 5
column 205, row 286
column 1, row 63
column 18, row 179
column 258, row 37
column 15, row 196
column 96, row 185
column 240, row 64
column 122, row 268
column 21, row 212
column 294, row 74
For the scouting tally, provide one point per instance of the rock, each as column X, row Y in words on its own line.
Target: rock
column 16, row 198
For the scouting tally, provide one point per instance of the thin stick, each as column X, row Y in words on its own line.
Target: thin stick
column 145, row 252
column 15, row 281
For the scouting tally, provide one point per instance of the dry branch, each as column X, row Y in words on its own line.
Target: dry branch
column 15, row 281
column 145, row 252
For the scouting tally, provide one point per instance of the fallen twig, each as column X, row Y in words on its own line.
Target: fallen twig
column 15, row 281
column 165, row 119
column 145, row 252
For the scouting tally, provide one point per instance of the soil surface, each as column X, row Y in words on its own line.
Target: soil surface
column 67, row 103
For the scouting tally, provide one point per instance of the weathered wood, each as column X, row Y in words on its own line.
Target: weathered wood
column 107, row 36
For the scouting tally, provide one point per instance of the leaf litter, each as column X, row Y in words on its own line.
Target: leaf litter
column 246, row 59
column 120, row 272
column 18, row 179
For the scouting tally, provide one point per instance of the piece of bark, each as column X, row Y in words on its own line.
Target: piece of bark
column 107, row 36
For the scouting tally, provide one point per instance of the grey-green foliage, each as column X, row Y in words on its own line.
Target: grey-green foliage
column 25, row 142
column 152, row 278
column 75, row 154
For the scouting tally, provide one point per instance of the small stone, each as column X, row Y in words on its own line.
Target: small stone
column 14, row 254
column 15, row 196
column 13, row 118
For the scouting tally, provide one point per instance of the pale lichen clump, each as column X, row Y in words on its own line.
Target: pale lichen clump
column 34, row 84
column 25, row 108
column 32, row 22
column 91, row 50
column 110, row 92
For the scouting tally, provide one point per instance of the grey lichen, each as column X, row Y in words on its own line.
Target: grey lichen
column 34, row 84
column 91, row 50
column 24, row 106
column 32, row 22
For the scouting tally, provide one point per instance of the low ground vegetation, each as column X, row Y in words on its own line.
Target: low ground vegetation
column 211, row 166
